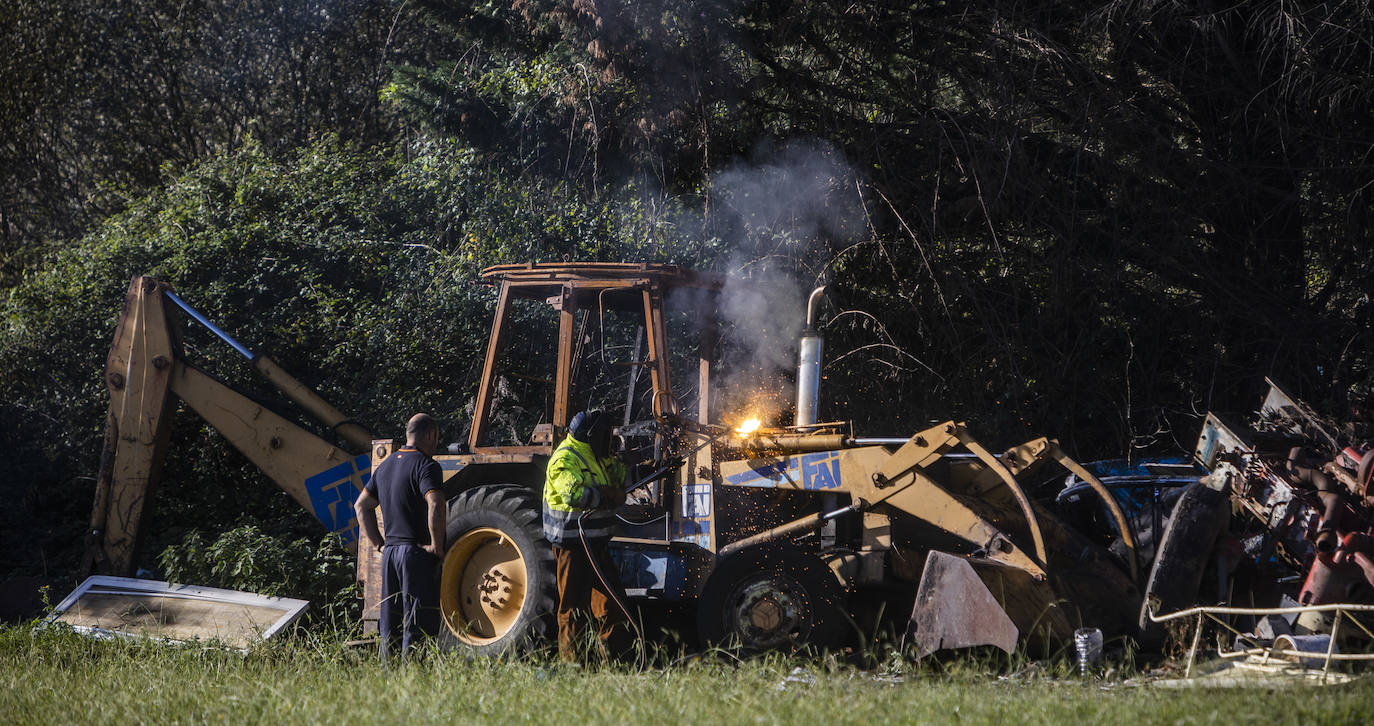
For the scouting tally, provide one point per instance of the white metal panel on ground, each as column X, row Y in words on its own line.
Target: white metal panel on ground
column 131, row 607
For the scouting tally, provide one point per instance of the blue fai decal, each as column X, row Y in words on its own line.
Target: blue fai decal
column 696, row 501
column 763, row 475
column 332, row 494
column 820, row 470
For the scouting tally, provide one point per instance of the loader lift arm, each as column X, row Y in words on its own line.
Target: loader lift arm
column 145, row 368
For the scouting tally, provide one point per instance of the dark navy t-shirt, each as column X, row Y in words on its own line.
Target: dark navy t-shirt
column 400, row 484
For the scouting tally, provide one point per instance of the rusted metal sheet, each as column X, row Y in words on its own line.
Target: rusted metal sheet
column 954, row 609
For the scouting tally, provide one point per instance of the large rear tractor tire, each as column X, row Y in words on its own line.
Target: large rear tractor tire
column 772, row 598
column 499, row 589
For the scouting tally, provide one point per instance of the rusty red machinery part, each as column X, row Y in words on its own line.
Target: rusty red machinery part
column 1306, row 471
column 1343, row 575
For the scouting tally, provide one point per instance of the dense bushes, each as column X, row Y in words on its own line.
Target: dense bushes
column 248, row 558
column 1090, row 221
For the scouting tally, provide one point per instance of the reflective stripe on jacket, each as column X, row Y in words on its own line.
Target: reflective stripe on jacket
column 573, row 493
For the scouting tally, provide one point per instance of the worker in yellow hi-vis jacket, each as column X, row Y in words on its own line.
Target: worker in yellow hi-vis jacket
column 584, row 486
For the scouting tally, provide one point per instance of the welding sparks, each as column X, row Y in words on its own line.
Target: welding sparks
column 748, row 427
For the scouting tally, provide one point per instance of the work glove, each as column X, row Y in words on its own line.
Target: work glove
column 610, row 497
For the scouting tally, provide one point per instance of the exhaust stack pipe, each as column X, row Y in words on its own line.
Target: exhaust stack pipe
column 809, row 366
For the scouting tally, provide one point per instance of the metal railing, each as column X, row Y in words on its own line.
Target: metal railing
column 1343, row 612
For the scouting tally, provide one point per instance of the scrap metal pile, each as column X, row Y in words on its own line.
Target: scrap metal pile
column 1285, row 517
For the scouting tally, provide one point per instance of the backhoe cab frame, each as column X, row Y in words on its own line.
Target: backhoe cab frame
column 582, row 299
column 568, row 289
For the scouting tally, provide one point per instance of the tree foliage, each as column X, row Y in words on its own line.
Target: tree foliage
column 1088, row 220
column 101, row 98
column 1170, row 198
column 252, row 559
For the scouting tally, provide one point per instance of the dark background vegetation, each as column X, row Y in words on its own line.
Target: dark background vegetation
column 1089, row 220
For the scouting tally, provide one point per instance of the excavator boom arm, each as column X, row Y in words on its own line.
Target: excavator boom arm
column 144, row 367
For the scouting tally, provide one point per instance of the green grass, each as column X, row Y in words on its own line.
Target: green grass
column 62, row 678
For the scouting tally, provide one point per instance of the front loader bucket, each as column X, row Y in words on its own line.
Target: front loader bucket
column 966, row 602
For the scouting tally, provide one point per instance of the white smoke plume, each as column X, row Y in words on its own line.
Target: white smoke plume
column 782, row 213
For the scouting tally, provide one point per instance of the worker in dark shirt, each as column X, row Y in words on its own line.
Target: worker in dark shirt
column 408, row 485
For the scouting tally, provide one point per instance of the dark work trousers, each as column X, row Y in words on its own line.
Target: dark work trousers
column 410, row 598
column 585, row 603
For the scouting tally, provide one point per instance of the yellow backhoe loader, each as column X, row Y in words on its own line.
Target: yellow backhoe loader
column 775, row 537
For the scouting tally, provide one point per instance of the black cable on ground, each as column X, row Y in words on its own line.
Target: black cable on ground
column 586, row 548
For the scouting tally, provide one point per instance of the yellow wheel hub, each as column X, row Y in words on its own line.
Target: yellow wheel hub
column 483, row 586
